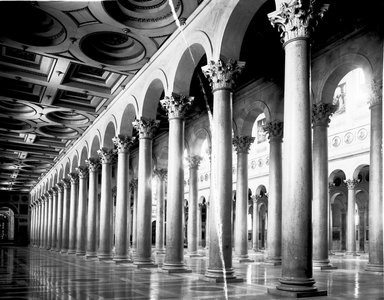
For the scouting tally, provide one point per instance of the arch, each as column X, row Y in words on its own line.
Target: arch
column 342, row 65
column 67, row 168
column 261, row 190
column 337, row 177
column 129, row 115
column 360, row 169
column 158, row 85
column 109, row 133
column 248, row 115
column 83, row 155
column 74, row 161
column 61, row 172
column 95, row 145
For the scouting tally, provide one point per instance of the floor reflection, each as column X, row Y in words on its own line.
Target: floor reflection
column 33, row 273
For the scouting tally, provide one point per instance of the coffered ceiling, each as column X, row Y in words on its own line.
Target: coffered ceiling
column 61, row 64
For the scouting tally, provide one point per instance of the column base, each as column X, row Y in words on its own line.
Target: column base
column 144, row 264
column 80, row 253
column 322, row 264
column 193, row 254
column 220, row 276
column 64, row 251
column 71, row 251
column 90, row 256
column 242, row 259
column 160, row 251
column 272, row 261
column 122, row 260
column 104, row 257
column 374, row 268
column 292, row 294
column 175, row 268
column 349, row 253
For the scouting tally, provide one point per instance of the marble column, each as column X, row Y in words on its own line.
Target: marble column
column 123, row 144
column 54, row 219
column 66, row 206
column 161, row 175
column 81, row 211
column 48, row 197
column 176, row 107
column 49, row 219
column 199, row 226
column 221, row 76
column 351, row 226
column 296, row 20
column 193, row 229
column 255, row 227
column 59, row 226
column 321, row 113
column 74, row 177
column 31, row 222
column 93, row 164
column 375, row 211
column 242, row 145
column 133, row 189
column 42, row 219
column 143, row 253
column 106, row 203
column 275, row 135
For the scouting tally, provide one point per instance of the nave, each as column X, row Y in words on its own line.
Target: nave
column 33, row 273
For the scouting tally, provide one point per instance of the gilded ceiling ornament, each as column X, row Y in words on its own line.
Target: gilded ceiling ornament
column 297, row 19
column 146, row 128
column 375, row 92
column 194, row 161
column 161, row 173
column 242, row 144
column 73, row 177
column 223, row 75
column 274, row 129
column 351, row 183
column 106, row 155
column 83, row 172
column 123, row 143
column 176, row 105
column 321, row 113
column 93, row 163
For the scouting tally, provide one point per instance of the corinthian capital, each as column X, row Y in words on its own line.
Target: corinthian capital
column 161, row 173
column 222, row 75
column 321, row 113
column 106, row 155
column 74, row 177
column 297, row 18
column 242, row 144
column 93, row 163
column 351, row 183
column 123, row 142
column 66, row 182
column 194, row 161
column 54, row 190
column 60, row 187
column 146, row 128
column 274, row 130
column 375, row 92
column 82, row 171
column 176, row 105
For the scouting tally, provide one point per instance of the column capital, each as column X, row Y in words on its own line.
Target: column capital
column 145, row 127
column 297, row 19
column 161, row 173
column 123, row 143
column 133, row 184
column 274, row 130
column 93, row 163
column 351, row 183
column 49, row 194
column 194, row 161
column 55, row 190
column 321, row 113
column 60, row 187
column 73, row 177
column 222, row 75
column 242, row 143
column 66, row 182
column 176, row 105
column 106, row 155
column 82, row 171
column 375, row 92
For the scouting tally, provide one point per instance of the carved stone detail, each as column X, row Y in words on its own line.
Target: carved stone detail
column 223, row 75
column 54, row 190
column 274, row 130
column 106, row 155
column 74, row 177
column 161, row 173
column 375, row 92
column 123, row 142
column 83, row 172
column 93, row 163
column 176, row 105
column 133, row 184
column 60, row 187
column 66, row 182
column 351, row 183
column 194, row 161
column 297, row 19
column 321, row 113
column 146, row 128
column 242, row 144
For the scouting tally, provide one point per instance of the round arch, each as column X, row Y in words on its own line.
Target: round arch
column 95, row 145
column 128, row 116
column 83, row 155
column 74, row 161
column 158, row 84
column 109, row 134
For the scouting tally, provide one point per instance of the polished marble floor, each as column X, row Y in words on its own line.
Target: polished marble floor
column 32, row 273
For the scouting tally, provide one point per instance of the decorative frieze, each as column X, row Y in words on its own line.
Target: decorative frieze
column 176, row 105
column 161, row 173
column 106, row 155
column 123, row 142
column 242, row 144
column 351, row 183
column 375, row 92
column 274, row 130
column 321, row 113
column 297, row 18
column 73, row 177
column 146, row 128
column 82, row 171
column 93, row 163
column 222, row 75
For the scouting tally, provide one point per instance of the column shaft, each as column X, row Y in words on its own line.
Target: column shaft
column 351, row 227
column 46, row 222
column 66, row 207
column 91, row 249
column 255, row 232
column 160, row 214
column 81, row 212
column 54, row 220
column 73, row 211
column 134, row 215
column 59, row 234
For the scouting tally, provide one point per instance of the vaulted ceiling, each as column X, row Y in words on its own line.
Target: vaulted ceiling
column 61, row 64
